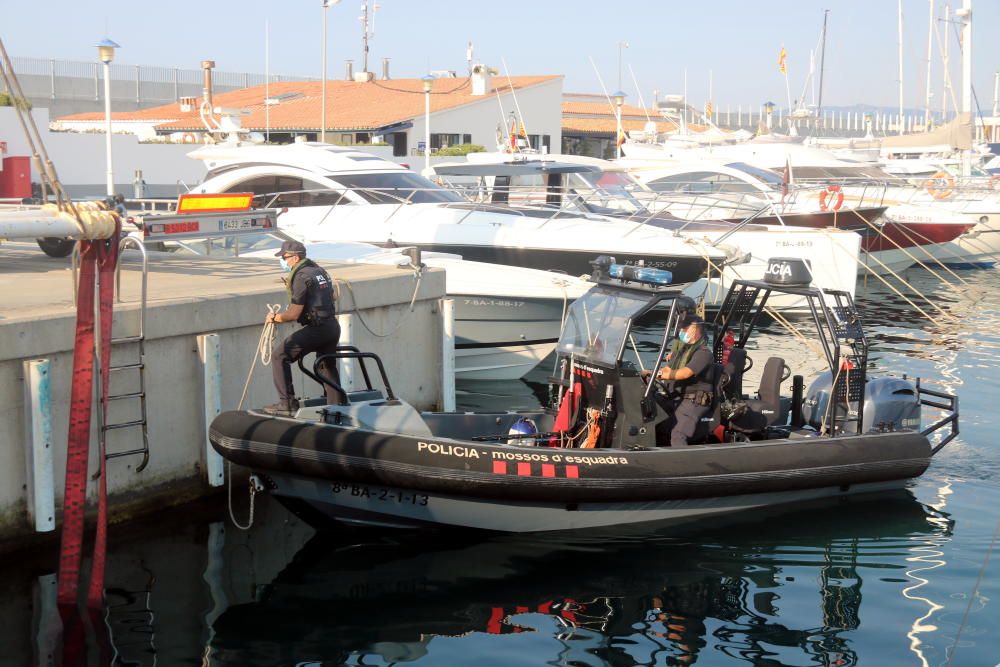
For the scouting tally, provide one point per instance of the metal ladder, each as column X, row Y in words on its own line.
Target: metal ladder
column 138, row 367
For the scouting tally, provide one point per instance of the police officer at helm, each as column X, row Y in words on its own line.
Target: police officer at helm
column 687, row 374
column 311, row 304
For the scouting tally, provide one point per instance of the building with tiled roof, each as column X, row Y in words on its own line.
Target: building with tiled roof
column 462, row 110
column 590, row 126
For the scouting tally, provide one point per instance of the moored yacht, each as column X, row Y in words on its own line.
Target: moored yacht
column 329, row 193
column 589, row 186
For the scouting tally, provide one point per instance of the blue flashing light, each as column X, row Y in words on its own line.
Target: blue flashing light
column 641, row 274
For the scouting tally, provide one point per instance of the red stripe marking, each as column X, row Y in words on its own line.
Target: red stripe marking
column 545, row 607
column 572, row 472
column 524, row 469
column 496, row 616
column 499, row 467
column 548, row 470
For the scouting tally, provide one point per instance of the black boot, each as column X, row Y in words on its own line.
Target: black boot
column 282, row 408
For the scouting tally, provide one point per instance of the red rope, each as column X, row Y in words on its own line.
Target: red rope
column 97, row 268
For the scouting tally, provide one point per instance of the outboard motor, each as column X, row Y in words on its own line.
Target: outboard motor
column 891, row 404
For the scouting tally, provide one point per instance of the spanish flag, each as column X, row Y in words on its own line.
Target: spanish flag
column 781, row 61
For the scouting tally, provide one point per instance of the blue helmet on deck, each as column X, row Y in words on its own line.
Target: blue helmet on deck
column 522, row 427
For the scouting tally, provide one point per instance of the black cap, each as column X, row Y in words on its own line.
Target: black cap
column 291, row 247
column 692, row 319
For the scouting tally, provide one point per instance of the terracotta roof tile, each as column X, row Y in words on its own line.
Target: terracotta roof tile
column 351, row 106
column 608, row 126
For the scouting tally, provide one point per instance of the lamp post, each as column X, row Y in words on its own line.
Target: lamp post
column 769, row 109
column 619, row 98
column 322, row 112
column 106, row 52
column 428, row 84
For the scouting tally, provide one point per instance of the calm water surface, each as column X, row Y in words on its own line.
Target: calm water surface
column 900, row 579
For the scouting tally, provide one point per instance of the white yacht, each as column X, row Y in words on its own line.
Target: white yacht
column 586, row 185
column 330, row 193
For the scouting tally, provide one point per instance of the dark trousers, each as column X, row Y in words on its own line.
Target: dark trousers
column 681, row 423
column 321, row 339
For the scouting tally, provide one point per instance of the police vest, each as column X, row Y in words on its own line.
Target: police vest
column 319, row 306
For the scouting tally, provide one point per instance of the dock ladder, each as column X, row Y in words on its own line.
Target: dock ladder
column 137, row 366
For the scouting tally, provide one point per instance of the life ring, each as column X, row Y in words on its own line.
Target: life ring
column 837, row 200
column 188, row 138
column 940, row 185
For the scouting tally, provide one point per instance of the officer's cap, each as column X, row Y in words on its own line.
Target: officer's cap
column 692, row 319
column 291, row 248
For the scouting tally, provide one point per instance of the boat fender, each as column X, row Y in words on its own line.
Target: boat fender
column 836, row 195
column 940, row 185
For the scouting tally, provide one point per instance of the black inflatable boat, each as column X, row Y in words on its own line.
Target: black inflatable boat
column 594, row 459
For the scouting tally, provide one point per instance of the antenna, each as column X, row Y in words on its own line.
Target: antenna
column 468, row 56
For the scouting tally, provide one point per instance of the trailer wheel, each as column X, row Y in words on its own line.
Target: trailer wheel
column 56, row 247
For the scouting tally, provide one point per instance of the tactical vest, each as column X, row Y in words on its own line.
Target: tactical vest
column 319, row 306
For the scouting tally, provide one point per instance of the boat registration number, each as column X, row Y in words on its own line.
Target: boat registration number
column 382, row 494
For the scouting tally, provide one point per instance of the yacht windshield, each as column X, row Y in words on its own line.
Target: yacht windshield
column 395, row 187
column 606, row 191
column 597, row 324
column 765, row 175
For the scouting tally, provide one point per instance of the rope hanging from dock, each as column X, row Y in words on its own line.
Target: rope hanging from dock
column 96, row 287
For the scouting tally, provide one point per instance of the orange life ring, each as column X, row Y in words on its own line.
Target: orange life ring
column 188, row 138
column 836, row 201
column 940, row 185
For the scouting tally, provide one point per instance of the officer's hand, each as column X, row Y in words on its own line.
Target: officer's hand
column 269, row 318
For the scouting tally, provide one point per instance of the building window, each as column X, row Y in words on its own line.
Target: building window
column 466, row 138
column 439, row 141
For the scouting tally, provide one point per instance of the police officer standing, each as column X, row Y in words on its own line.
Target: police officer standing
column 689, row 387
column 311, row 303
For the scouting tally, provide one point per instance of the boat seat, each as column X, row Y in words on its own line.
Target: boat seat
column 732, row 370
column 766, row 409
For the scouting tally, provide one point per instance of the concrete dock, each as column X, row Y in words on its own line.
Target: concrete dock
column 189, row 298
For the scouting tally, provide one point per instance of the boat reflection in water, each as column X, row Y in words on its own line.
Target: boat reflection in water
column 792, row 593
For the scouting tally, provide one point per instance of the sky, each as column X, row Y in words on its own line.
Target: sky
column 735, row 43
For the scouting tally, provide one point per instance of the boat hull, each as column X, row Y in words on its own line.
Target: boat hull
column 471, row 479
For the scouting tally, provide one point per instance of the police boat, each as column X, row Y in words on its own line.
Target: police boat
column 594, row 457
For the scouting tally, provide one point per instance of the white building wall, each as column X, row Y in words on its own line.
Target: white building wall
column 541, row 109
column 79, row 158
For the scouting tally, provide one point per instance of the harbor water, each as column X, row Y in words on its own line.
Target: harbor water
column 897, row 579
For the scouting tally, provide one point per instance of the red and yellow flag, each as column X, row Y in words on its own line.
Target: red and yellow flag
column 781, row 61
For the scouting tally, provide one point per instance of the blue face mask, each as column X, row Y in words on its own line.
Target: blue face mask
column 284, row 266
column 684, row 337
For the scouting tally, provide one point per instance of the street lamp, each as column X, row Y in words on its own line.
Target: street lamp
column 428, row 84
column 322, row 131
column 619, row 98
column 106, row 52
column 769, row 109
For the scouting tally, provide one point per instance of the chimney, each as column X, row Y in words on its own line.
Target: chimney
column 481, row 84
column 349, row 70
column 188, row 103
column 206, row 71
column 385, row 68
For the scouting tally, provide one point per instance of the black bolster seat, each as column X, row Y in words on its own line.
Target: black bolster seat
column 733, row 369
column 765, row 410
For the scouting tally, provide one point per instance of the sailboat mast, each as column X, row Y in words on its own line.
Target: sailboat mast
column 930, row 46
column 822, row 59
column 945, row 83
column 900, row 17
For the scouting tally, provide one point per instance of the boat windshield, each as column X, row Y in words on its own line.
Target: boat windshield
column 606, row 191
column 395, row 187
column 765, row 175
column 598, row 322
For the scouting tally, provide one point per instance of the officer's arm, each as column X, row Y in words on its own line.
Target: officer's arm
column 291, row 313
column 668, row 373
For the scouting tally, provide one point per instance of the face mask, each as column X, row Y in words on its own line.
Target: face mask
column 284, row 266
column 685, row 338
